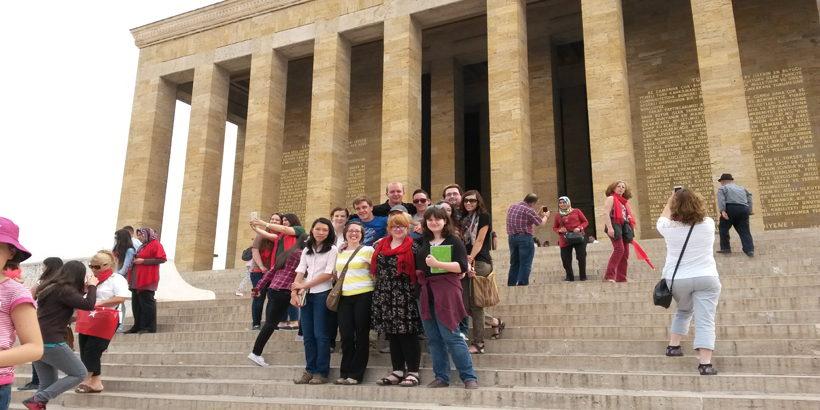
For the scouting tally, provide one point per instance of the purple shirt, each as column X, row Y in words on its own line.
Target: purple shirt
column 520, row 218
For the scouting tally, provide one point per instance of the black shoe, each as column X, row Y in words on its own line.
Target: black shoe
column 30, row 386
column 674, row 351
column 255, row 328
column 724, row 251
column 131, row 331
column 707, row 370
column 146, row 331
column 584, row 279
column 750, row 254
column 569, row 279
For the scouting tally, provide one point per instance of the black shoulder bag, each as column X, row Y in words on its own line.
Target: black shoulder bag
column 572, row 238
column 663, row 294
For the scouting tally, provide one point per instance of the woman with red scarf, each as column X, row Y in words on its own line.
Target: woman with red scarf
column 143, row 279
column 620, row 228
column 395, row 311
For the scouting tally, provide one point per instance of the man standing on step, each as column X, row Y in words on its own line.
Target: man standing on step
column 735, row 205
column 394, row 193
column 520, row 218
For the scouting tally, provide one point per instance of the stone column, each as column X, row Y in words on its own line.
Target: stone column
column 509, row 91
column 447, row 126
column 542, row 126
column 610, row 122
column 264, row 136
column 329, row 123
column 142, row 198
column 401, row 104
column 203, row 169
column 724, row 98
column 231, row 254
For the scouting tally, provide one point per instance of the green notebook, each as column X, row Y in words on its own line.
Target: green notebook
column 442, row 253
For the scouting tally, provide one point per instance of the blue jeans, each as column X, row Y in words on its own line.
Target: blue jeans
column 5, row 396
column 522, row 250
column 444, row 343
column 314, row 328
column 258, row 303
column 291, row 315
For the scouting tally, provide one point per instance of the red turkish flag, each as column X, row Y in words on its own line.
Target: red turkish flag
column 101, row 322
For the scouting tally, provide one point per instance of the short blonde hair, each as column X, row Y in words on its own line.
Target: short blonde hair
column 104, row 256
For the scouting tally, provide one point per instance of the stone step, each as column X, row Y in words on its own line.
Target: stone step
column 286, row 343
column 621, row 319
column 581, row 362
column 361, row 395
column 691, row 381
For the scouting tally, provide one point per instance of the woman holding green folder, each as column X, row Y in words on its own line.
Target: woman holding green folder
column 442, row 262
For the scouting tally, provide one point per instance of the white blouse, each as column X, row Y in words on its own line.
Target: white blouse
column 698, row 258
column 316, row 264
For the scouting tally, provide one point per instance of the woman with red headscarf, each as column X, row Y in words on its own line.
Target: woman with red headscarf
column 620, row 226
column 143, row 279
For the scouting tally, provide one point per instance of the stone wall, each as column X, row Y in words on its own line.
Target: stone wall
column 297, row 137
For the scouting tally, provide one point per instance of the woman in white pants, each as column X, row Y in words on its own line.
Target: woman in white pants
column 696, row 287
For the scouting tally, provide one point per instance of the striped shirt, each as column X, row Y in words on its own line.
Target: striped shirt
column 11, row 295
column 357, row 278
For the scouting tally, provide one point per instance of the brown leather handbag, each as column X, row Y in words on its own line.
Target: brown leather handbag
column 485, row 291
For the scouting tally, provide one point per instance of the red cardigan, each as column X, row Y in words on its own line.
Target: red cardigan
column 148, row 275
column 575, row 219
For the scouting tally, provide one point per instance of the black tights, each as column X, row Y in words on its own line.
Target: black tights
column 405, row 352
column 580, row 254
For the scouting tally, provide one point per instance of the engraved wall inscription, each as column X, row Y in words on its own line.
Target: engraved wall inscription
column 676, row 147
column 294, row 179
column 785, row 150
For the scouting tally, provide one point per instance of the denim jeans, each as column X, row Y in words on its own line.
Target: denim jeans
column 258, row 303
column 522, row 250
column 5, row 396
column 444, row 343
column 314, row 327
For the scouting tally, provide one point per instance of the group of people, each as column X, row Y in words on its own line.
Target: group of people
column 392, row 284
column 40, row 316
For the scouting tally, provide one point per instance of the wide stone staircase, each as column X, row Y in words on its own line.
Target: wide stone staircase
column 576, row 345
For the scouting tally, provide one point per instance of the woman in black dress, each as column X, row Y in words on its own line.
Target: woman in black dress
column 395, row 311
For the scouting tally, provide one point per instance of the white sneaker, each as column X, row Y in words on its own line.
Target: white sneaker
column 463, row 336
column 300, row 338
column 239, row 294
column 258, row 360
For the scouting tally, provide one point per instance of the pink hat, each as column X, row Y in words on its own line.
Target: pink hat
column 9, row 232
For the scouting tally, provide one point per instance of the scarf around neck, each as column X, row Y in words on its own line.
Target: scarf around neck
column 406, row 261
column 618, row 215
column 569, row 206
column 469, row 228
column 101, row 277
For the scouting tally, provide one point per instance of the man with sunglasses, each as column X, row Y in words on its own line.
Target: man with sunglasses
column 395, row 194
column 421, row 200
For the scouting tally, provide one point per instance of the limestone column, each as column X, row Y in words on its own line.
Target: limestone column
column 447, row 125
column 542, row 126
column 724, row 98
column 142, row 198
column 265, row 128
column 203, row 169
column 509, row 104
column 610, row 122
column 401, row 104
column 329, row 123
column 231, row 254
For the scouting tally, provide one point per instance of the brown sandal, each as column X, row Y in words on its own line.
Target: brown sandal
column 84, row 388
column 498, row 329
column 386, row 381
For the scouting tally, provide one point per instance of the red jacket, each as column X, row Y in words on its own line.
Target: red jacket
column 575, row 219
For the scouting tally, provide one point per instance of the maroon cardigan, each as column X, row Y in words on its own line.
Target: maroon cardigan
column 447, row 299
column 575, row 219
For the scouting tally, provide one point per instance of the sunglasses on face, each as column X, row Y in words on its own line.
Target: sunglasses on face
column 420, row 201
column 95, row 266
column 470, row 200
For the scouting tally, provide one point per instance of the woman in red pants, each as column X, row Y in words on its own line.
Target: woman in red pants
column 620, row 228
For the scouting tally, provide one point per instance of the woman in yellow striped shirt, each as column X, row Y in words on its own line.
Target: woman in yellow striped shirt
column 354, row 305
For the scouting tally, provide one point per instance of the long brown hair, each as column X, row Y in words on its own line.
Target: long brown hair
column 688, row 207
column 480, row 208
column 439, row 213
column 611, row 189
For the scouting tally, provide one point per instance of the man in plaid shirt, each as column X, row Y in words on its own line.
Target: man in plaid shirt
column 520, row 218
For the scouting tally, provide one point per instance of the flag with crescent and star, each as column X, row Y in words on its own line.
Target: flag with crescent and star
column 101, row 322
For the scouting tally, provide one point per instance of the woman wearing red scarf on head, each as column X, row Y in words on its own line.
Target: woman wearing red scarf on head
column 143, row 279
column 620, row 228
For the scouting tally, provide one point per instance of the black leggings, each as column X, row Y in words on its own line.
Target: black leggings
column 278, row 302
column 580, row 254
column 405, row 352
column 354, row 325
column 91, row 350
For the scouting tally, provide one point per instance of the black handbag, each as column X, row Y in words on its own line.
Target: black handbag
column 662, row 294
column 572, row 238
column 247, row 254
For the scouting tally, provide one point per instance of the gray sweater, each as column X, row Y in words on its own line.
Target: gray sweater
column 733, row 194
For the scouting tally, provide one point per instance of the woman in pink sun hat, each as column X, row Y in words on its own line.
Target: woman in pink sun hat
column 18, row 318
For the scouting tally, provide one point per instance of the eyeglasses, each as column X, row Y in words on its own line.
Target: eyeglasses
column 398, row 227
column 356, row 232
column 470, row 200
column 420, row 201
